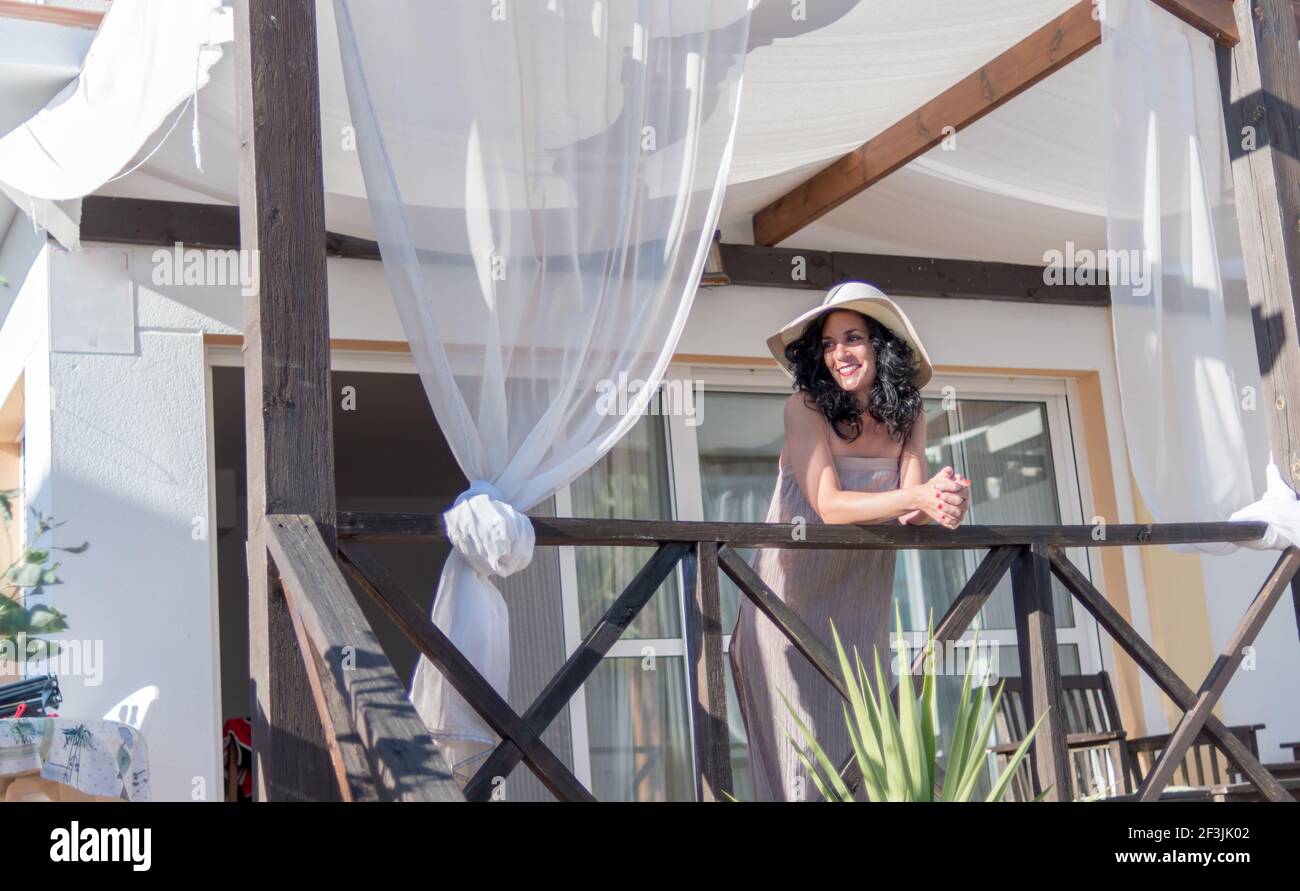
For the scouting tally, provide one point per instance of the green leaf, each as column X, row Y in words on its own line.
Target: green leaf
column 833, row 778
column 960, row 738
column 25, row 575
column 929, row 708
column 7, row 499
column 910, row 731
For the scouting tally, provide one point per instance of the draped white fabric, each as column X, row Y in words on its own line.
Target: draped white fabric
column 544, row 177
column 147, row 60
column 1170, row 233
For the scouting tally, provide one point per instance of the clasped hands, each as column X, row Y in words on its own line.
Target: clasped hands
column 944, row 499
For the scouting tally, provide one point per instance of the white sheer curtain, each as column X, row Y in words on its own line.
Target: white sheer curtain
column 544, row 177
column 1170, row 228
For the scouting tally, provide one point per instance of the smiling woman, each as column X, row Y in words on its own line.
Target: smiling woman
column 854, row 452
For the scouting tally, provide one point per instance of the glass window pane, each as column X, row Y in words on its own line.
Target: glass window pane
column 740, row 438
column 631, row 482
column 1007, row 453
column 638, row 730
column 1009, row 660
column 928, row 581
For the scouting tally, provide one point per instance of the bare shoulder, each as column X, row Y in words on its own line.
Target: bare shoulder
column 799, row 415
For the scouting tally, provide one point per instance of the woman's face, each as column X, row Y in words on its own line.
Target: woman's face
column 847, row 351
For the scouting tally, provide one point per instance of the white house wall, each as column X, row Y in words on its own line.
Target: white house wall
column 127, row 471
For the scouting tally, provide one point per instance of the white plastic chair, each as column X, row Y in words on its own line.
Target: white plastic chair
column 133, row 709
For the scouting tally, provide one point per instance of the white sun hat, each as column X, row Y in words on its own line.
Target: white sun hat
column 868, row 300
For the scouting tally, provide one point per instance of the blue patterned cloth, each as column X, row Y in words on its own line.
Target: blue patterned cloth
column 95, row 757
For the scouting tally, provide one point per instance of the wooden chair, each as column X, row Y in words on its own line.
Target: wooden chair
column 1104, row 762
column 1097, row 745
column 1203, row 765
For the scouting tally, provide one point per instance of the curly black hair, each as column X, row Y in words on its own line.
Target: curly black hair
column 895, row 400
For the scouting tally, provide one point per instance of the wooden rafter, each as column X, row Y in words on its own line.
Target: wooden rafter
column 1047, row 50
column 54, row 15
column 1214, row 17
column 1051, row 47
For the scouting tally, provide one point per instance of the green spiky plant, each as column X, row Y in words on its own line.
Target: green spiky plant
column 27, row 578
column 896, row 753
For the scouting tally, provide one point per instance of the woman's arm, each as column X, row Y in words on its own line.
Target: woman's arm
column 809, row 454
column 913, row 469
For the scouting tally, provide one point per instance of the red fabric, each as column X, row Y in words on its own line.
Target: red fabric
column 21, row 710
column 238, row 732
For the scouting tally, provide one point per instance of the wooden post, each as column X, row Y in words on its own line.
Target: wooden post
column 1031, row 588
column 707, row 674
column 1260, row 81
column 286, row 369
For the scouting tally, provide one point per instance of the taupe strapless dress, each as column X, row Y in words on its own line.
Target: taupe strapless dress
column 853, row 587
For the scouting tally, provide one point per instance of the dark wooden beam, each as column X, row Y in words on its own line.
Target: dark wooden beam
column 216, row 227
column 286, row 370
column 579, row 532
column 1040, row 668
column 201, row 226
column 159, row 223
column 910, row 276
column 1048, row 49
column 706, row 674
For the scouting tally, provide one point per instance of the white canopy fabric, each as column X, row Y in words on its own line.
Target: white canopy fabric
column 815, row 89
column 146, row 60
column 39, row 60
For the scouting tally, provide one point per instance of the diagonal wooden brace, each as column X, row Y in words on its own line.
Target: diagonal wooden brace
column 579, row 666
column 1194, row 718
column 370, row 574
column 1159, row 671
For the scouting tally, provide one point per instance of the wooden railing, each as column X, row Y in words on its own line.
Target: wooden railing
column 378, row 746
column 374, row 732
